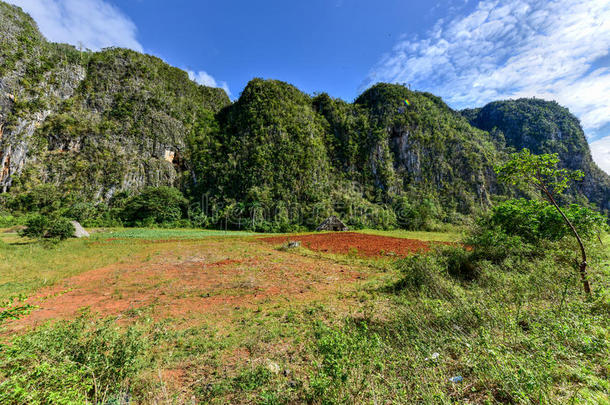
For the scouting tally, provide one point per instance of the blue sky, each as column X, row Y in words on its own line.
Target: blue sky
column 469, row 52
column 318, row 45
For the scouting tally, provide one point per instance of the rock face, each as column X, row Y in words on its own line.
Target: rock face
column 433, row 148
column 102, row 122
column 79, row 231
column 95, row 124
column 35, row 78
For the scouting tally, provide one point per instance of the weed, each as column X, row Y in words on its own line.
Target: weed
column 71, row 362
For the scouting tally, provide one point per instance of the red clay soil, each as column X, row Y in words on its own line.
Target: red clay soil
column 191, row 287
column 359, row 243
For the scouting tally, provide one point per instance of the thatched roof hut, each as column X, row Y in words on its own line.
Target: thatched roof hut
column 332, row 224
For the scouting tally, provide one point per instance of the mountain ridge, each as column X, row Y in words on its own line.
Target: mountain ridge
column 98, row 124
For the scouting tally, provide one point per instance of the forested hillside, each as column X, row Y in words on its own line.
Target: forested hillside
column 96, row 129
column 545, row 127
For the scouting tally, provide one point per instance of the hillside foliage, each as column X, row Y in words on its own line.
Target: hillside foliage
column 91, row 128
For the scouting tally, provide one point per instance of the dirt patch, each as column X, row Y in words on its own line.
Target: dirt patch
column 215, row 278
column 358, row 243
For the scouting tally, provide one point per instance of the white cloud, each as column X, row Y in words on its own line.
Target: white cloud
column 94, row 24
column 510, row 49
column 205, row 79
column 601, row 153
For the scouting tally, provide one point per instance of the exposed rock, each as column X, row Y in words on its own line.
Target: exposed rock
column 273, row 367
column 95, row 124
column 79, row 231
column 545, row 127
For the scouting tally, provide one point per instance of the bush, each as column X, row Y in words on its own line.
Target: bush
column 70, row 362
column 495, row 245
column 345, row 356
column 154, row 205
column 43, row 227
column 533, row 220
column 419, row 271
column 430, row 272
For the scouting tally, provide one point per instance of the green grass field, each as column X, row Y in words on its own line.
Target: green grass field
column 214, row 317
column 155, row 234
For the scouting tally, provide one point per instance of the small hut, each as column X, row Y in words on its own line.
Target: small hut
column 332, row 224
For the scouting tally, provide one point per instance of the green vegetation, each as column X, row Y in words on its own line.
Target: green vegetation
column 276, row 160
column 155, row 234
column 54, row 228
column 544, row 127
column 71, row 362
column 541, row 172
column 533, row 220
column 154, row 206
column 504, row 330
column 180, row 313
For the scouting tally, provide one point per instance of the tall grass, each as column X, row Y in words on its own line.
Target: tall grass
column 514, row 332
column 446, row 329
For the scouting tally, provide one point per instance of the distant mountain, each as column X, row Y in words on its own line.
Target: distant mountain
column 94, row 124
column 545, row 127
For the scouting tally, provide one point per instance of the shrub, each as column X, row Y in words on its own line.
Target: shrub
column 418, row 271
column 345, row 356
column 495, row 245
column 43, row 227
column 428, row 272
column 70, row 362
column 60, row 228
column 534, row 220
column 459, row 263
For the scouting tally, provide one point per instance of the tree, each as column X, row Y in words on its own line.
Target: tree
column 527, row 170
column 155, row 205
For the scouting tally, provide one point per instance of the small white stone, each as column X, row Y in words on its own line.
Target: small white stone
column 273, row 367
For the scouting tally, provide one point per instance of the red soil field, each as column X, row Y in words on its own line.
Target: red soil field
column 361, row 244
column 206, row 281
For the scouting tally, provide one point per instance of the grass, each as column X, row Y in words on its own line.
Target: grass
column 26, row 266
column 156, row 233
column 513, row 336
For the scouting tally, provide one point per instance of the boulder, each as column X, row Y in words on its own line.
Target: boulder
column 79, row 231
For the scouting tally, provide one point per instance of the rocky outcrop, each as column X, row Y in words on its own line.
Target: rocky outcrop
column 98, row 122
column 79, row 231
column 94, row 124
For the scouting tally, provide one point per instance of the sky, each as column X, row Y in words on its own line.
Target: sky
column 469, row 52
